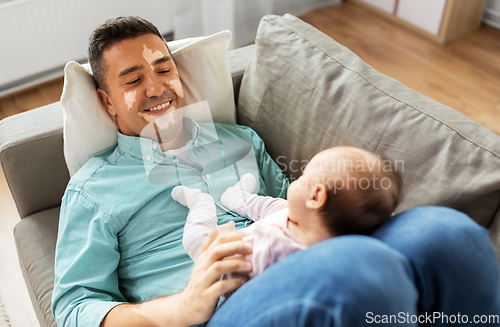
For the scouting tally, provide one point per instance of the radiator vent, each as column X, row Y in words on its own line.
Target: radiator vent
column 38, row 37
column 5, row 1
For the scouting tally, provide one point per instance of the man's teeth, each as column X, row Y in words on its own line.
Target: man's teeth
column 159, row 107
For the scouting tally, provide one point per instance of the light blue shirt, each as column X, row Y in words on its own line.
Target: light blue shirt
column 120, row 232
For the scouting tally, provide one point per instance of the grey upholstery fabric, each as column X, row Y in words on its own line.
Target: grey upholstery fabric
column 35, row 238
column 32, row 158
column 238, row 60
column 303, row 92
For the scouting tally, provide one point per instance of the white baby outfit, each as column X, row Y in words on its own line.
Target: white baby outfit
column 271, row 239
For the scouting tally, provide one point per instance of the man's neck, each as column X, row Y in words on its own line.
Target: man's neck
column 178, row 141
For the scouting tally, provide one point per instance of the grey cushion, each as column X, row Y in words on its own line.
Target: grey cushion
column 35, row 238
column 303, row 92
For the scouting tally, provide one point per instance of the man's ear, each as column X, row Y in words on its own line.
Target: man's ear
column 317, row 198
column 105, row 100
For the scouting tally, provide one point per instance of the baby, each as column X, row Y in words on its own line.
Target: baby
column 343, row 190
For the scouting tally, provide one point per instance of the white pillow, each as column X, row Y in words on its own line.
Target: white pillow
column 205, row 74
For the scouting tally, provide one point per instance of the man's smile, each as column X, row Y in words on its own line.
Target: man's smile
column 158, row 108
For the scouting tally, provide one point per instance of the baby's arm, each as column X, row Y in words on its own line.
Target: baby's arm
column 240, row 200
column 201, row 218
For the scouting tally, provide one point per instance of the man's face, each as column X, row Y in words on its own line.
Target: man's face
column 142, row 83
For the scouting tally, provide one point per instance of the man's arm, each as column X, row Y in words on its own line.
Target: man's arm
column 272, row 181
column 87, row 257
column 197, row 302
column 86, row 282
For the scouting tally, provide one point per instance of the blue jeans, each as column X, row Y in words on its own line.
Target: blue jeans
column 432, row 259
column 454, row 263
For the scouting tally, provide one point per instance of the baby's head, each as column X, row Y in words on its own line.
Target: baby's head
column 344, row 190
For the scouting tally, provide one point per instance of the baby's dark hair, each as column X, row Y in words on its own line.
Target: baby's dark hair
column 363, row 196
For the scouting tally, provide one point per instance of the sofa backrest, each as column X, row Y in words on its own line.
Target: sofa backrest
column 303, row 92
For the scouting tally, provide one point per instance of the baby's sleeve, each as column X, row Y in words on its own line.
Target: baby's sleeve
column 257, row 207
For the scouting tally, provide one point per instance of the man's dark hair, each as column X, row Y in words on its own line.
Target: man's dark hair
column 354, row 207
column 110, row 32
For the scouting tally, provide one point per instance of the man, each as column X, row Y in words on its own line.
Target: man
column 119, row 257
column 118, row 230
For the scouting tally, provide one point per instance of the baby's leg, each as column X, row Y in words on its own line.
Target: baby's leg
column 200, row 221
column 198, row 225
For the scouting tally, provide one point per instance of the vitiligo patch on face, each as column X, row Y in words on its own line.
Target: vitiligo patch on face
column 168, row 120
column 151, row 56
column 130, row 98
column 176, row 85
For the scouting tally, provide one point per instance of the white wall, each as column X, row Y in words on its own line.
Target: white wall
column 38, row 37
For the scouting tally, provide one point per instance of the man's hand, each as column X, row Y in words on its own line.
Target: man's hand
column 222, row 253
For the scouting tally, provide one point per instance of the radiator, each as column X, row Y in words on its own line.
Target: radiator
column 38, row 37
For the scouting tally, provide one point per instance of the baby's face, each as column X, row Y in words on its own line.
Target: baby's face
column 301, row 189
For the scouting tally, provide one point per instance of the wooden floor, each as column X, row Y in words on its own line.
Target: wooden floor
column 36, row 97
column 464, row 75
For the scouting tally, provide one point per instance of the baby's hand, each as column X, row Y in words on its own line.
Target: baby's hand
column 233, row 197
column 192, row 198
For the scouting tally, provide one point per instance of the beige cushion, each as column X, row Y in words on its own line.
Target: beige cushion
column 303, row 92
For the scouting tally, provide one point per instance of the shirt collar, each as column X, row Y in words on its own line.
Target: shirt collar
column 141, row 147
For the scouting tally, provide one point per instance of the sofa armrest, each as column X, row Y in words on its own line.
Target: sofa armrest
column 35, row 238
column 31, row 155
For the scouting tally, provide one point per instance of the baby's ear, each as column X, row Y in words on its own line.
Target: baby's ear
column 317, row 198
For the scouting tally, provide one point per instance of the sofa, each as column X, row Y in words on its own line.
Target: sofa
column 301, row 92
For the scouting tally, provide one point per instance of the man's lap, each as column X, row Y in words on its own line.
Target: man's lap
column 344, row 279
column 455, row 265
column 441, row 247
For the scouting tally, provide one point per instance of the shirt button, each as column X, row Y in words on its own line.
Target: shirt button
column 154, row 146
column 148, row 158
column 176, row 160
column 207, row 176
